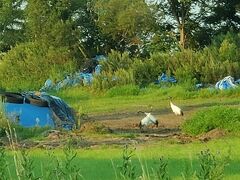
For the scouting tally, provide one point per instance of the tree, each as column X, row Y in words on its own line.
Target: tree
column 11, row 23
column 50, row 22
column 220, row 16
column 179, row 15
column 125, row 22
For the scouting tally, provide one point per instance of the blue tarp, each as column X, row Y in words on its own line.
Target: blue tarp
column 165, row 78
column 226, row 83
column 84, row 77
column 30, row 109
column 29, row 115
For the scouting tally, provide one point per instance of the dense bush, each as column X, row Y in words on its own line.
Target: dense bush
column 215, row 117
column 28, row 65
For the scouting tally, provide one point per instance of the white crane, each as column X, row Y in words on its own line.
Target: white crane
column 148, row 120
column 176, row 110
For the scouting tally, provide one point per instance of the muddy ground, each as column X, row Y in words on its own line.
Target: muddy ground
column 122, row 128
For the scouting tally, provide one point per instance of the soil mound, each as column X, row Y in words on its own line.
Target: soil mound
column 213, row 134
column 95, row 127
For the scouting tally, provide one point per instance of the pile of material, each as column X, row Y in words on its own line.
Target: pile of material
column 31, row 109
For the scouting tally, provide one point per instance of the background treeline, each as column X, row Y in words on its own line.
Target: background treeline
column 194, row 40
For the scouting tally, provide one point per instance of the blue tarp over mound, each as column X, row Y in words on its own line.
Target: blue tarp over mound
column 31, row 109
column 226, row 83
column 165, row 78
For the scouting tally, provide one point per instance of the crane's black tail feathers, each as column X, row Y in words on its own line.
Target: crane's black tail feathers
column 182, row 113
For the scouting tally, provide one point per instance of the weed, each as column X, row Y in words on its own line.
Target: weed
column 4, row 165
column 27, row 168
column 188, row 173
column 161, row 172
column 127, row 169
column 210, row 167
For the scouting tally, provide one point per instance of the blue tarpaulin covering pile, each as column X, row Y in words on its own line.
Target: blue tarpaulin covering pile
column 84, row 77
column 165, row 78
column 31, row 109
column 226, row 83
column 70, row 80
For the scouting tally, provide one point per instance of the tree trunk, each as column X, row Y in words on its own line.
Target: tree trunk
column 182, row 35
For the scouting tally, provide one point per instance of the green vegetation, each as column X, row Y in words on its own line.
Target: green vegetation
column 192, row 40
column 217, row 157
column 222, row 117
column 132, row 98
column 41, row 40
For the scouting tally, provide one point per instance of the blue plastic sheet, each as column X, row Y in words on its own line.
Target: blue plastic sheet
column 29, row 115
column 237, row 81
column 165, row 78
column 39, row 109
column 226, row 83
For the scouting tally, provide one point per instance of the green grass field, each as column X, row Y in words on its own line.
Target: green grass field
column 85, row 101
column 102, row 162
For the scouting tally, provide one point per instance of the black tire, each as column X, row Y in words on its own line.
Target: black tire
column 13, row 98
column 36, row 100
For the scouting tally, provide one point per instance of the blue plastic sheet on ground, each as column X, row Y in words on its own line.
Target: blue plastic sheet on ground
column 98, row 69
column 165, row 78
column 226, row 83
column 81, row 77
column 199, row 85
column 237, row 81
column 29, row 115
column 31, row 109
column 69, row 81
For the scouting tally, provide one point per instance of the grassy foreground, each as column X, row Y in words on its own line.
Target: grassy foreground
column 103, row 162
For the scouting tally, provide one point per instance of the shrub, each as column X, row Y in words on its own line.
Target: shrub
column 107, row 80
column 215, row 117
column 211, row 166
column 116, row 61
column 28, row 65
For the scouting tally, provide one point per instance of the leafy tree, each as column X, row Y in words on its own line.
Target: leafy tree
column 178, row 16
column 90, row 39
column 11, row 23
column 125, row 22
column 50, row 22
column 220, row 16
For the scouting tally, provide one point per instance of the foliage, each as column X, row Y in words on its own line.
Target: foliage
column 124, row 21
column 27, row 66
column 50, row 22
column 27, row 168
column 12, row 26
column 215, row 117
column 162, row 173
column 115, row 72
column 127, row 169
column 210, row 166
column 220, row 16
column 4, row 164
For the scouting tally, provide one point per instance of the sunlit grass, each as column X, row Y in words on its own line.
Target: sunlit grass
column 86, row 101
column 101, row 162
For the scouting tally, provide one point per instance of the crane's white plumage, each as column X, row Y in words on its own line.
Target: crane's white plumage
column 176, row 110
column 148, row 120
